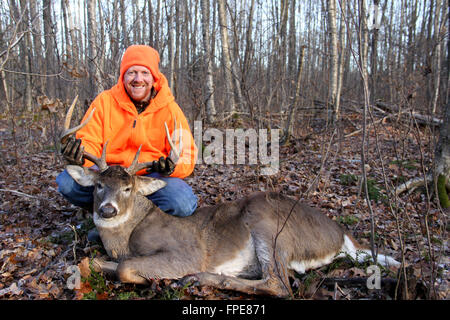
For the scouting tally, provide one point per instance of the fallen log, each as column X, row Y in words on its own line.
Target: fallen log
column 420, row 118
column 413, row 184
column 370, row 124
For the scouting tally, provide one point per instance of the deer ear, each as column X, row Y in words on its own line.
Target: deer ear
column 82, row 175
column 146, row 185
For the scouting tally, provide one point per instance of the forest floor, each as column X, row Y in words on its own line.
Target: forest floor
column 42, row 235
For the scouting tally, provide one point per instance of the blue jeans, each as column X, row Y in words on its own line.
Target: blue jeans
column 176, row 198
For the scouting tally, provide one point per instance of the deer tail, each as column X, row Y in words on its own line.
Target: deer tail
column 360, row 253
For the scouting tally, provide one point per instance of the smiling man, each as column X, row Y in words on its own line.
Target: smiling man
column 138, row 82
column 131, row 114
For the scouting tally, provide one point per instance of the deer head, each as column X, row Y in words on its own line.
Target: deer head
column 115, row 187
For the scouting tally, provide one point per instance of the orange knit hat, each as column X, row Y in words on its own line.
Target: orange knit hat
column 141, row 55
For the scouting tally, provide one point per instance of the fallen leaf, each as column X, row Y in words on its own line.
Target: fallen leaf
column 85, row 270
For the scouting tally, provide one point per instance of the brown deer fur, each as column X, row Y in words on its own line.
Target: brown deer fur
column 249, row 245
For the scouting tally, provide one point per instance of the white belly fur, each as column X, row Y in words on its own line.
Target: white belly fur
column 239, row 263
column 302, row 266
column 348, row 248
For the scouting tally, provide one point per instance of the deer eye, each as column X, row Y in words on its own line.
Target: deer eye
column 99, row 186
column 127, row 189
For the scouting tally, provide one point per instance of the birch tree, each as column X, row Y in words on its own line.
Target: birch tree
column 437, row 56
column 333, row 56
column 209, row 89
column 226, row 60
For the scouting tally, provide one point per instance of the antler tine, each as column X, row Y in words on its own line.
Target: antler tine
column 132, row 168
column 100, row 162
column 69, row 113
column 174, row 152
column 136, row 166
column 67, row 132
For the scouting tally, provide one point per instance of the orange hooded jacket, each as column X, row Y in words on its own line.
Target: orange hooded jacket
column 116, row 120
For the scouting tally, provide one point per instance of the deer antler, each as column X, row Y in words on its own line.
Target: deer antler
column 100, row 162
column 135, row 166
column 174, row 152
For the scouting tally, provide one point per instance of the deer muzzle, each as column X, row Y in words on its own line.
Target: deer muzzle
column 107, row 211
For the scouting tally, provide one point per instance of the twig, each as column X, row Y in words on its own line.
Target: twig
column 74, row 243
column 22, row 194
column 32, row 74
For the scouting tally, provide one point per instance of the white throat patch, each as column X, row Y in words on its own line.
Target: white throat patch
column 111, row 222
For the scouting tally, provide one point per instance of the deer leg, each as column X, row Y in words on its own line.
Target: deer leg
column 162, row 265
column 101, row 265
column 274, row 282
column 268, row 286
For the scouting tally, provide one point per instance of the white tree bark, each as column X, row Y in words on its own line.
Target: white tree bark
column 333, row 55
column 210, row 107
column 226, row 60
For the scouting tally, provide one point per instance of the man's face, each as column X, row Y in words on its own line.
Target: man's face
column 138, row 82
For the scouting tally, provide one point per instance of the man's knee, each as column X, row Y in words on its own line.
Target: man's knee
column 65, row 183
column 185, row 205
column 73, row 192
column 177, row 198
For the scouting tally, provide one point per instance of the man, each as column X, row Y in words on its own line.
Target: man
column 131, row 114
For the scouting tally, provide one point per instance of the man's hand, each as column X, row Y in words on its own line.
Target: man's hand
column 72, row 151
column 164, row 166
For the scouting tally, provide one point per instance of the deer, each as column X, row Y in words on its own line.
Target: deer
column 251, row 245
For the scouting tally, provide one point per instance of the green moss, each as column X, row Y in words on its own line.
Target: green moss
column 97, row 283
column 373, row 190
column 348, row 179
column 127, row 295
column 348, row 220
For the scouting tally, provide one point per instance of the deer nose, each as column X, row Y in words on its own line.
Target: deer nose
column 108, row 211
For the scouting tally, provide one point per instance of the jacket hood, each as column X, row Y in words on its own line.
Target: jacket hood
column 141, row 55
column 148, row 57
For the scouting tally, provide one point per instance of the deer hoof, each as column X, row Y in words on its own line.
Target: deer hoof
column 189, row 280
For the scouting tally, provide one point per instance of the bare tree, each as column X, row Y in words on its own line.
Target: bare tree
column 49, row 52
column 170, row 40
column 210, row 106
column 344, row 52
column 374, row 54
column 437, row 56
column 94, row 74
column 289, row 126
column 334, row 56
column 226, row 60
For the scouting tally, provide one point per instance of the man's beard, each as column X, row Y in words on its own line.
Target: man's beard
column 143, row 104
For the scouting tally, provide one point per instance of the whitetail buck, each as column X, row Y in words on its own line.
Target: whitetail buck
column 250, row 245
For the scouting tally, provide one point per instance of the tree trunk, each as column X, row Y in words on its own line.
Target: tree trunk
column 226, row 60
column 28, row 57
column 94, row 74
column 332, row 27
column 374, row 55
column 442, row 159
column 289, row 127
column 48, row 47
column 344, row 51
column 210, row 107
column 170, row 40
column 123, row 22
column 437, row 57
